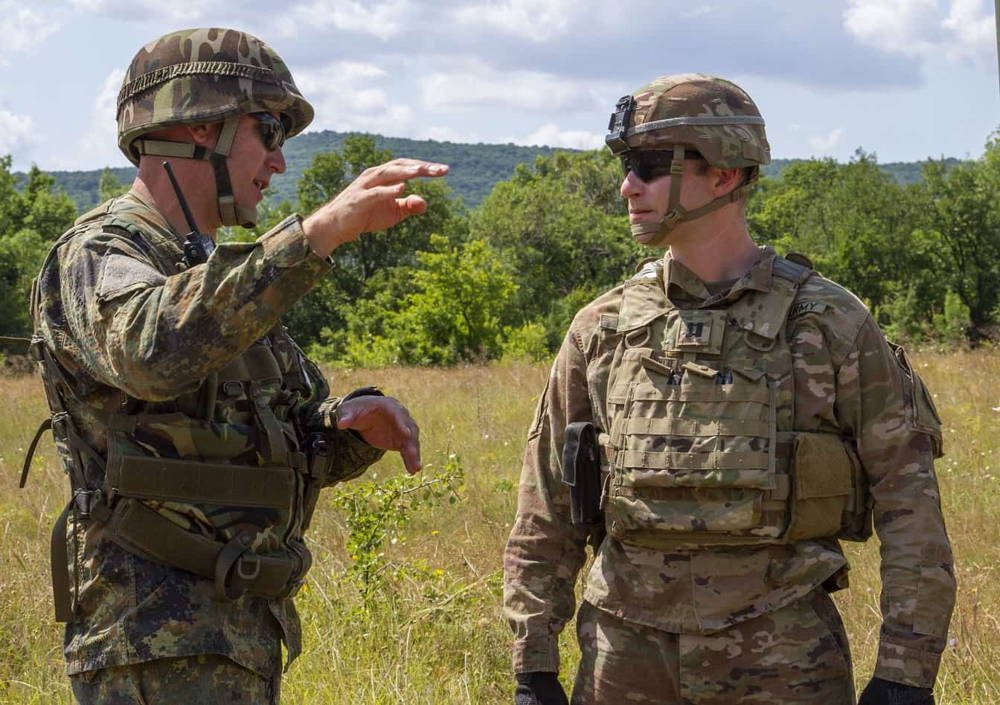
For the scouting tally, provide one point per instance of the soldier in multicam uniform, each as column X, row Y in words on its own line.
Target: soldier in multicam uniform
column 195, row 433
column 746, row 414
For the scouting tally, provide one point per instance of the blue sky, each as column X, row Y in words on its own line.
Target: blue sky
column 906, row 79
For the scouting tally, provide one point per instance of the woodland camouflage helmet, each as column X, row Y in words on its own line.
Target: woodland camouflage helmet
column 205, row 75
column 690, row 112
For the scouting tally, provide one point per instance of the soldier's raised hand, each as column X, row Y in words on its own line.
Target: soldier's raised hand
column 374, row 201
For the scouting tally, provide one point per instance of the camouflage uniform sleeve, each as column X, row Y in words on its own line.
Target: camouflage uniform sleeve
column 156, row 335
column 545, row 550
column 350, row 454
column 884, row 406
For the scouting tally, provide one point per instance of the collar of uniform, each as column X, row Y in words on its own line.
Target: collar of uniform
column 686, row 290
column 151, row 216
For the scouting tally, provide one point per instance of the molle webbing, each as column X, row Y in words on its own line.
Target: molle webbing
column 200, row 482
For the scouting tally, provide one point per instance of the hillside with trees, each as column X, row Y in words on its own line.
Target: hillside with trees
column 503, row 278
column 475, row 168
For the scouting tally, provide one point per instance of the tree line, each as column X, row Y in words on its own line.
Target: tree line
column 504, row 279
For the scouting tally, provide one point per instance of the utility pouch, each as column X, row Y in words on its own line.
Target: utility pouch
column 824, row 477
column 581, row 470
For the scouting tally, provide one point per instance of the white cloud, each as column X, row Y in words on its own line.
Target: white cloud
column 384, row 20
column 141, row 10
column 824, row 144
column 551, row 135
column 974, row 29
column 349, row 95
column 477, row 85
column 919, row 29
column 16, row 132
column 535, row 20
column 22, row 28
column 99, row 143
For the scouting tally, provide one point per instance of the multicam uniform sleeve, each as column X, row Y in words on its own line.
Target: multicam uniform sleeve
column 883, row 404
column 545, row 550
column 156, row 335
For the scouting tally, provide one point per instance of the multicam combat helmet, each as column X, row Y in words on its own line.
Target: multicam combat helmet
column 205, row 75
column 712, row 116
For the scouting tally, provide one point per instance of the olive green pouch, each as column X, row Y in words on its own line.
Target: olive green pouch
column 823, row 480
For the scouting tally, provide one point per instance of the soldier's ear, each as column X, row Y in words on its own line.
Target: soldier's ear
column 203, row 134
column 725, row 180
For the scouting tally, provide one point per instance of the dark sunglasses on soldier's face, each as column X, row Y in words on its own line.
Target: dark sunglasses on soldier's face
column 651, row 164
column 272, row 130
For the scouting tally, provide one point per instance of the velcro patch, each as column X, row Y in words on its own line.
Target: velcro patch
column 121, row 274
column 804, row 307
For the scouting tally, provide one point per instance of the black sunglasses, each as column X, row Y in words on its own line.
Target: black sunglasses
column 651, row 164
column 272, row 130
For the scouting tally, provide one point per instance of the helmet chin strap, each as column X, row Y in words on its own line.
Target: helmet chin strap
column 657, row 234
column 230, row 212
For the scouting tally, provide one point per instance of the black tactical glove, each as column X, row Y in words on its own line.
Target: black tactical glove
column 882, row 692
column 539, row 688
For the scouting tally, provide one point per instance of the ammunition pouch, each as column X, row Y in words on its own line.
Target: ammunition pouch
column 233, row 566
column 829, row 494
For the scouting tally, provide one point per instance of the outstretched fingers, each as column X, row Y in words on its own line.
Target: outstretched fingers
column 400, row 170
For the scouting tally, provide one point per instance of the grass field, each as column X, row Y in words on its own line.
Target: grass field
column 429, row 630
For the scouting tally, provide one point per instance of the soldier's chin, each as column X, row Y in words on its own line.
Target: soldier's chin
column 649, row 236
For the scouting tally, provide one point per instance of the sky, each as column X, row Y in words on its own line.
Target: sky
column 905, row 79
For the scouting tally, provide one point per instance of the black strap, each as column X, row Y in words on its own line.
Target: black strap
column 59, row 562
column 45, row 426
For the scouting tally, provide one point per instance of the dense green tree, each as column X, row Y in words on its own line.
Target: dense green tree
column 110, row 186
column 562, row 227
column 30, row 219
column 861, row 229
column 965, row 214
column 356, row 264
column 453, row 306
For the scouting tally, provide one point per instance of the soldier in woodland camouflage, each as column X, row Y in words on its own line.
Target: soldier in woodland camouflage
column 195, row 433
column 749, row 414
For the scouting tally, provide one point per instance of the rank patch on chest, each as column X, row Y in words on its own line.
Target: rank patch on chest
column 697, row 331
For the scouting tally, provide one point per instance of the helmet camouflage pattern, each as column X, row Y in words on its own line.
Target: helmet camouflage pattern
column 712, row 115
column 205, row 75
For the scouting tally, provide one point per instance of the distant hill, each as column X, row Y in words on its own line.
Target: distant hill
column 475, row 168
column 903, row 173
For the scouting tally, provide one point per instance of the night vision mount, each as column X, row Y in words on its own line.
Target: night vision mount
column 618, row 125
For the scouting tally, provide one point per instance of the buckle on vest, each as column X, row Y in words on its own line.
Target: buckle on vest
column 233, row 553
column 248, row 558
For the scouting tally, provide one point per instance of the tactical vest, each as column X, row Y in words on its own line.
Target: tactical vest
column 220, row 483
column 702, row 444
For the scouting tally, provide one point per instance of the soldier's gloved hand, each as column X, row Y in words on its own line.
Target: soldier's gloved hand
column 539, row 688
column 882, row 692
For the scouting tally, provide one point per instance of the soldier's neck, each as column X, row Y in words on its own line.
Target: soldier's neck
column 716, row 252
column 155, row 189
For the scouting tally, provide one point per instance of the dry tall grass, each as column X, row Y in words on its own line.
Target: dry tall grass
column 434, row 634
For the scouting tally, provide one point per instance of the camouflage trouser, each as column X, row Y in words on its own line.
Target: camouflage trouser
column 797, row 654
column 196, row 680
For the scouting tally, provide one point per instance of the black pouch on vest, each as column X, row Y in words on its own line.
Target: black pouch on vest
column 581, row 470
